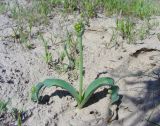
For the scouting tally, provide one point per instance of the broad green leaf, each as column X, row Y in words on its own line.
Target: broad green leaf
column 59, row 83
column 98, row 83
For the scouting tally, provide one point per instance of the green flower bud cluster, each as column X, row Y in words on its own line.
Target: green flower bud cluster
column 79, row 28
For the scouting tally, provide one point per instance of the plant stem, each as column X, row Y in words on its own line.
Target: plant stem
column 79, row 38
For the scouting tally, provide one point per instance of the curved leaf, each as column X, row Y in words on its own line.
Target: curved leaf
column 35, row 92
column 114, row 94
column 98, row 83
column 59, row 83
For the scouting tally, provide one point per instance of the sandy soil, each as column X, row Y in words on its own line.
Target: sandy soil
column 133, row 66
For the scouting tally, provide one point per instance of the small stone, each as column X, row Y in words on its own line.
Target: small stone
column 153, row 64
column 102, row 37
column 124, row 50
column 120, row 57
column 3, row 71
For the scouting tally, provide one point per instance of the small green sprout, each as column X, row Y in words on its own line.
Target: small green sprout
column 19, row 116
column 3, row 106
column 81, row 96
column 22, row 36
column 19, row 119
column 70, row 54
column 48, row 56
column 2, row 8
column 125, row 26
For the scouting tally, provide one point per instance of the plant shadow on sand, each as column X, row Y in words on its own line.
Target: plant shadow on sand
column 63, row 93
column 100, row 95
column 96, row 97
column 147, row 104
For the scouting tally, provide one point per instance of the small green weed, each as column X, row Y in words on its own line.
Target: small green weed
column 125, row 26
column 143, row 8
column 18, row 115
column 89, row 8
column 70, row 52
column 2, row 8
column 14, row 13
column 116, row 6
column 19, row 119
column 113, row 41
column 3, row 106
column 145, row 28
column 22, row 36
column 48, row 56
column 70, row 5
column 143, row 32
column 82, row 96
column 43, row 8
column 17, row 12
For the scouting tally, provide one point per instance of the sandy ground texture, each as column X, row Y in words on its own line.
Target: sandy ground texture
column 135, row 68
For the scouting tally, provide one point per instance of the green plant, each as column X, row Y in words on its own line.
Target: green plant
column 125, row 26
column 17, row 115
column 14, row 12
column 22, row 36
column 142, row 33
column 19, row 119
column 114, row 6
column 23, row 14
column 48, row 56
column 80, row 96
column 3, row 106
column 89, row 8
column 18, row 13
column 143, row 8
column 30, row 23
column 70, row 52
column 55, row 2
column 146, row 27
column 70, row 5
column 15, row 34
column 144, row 30
column 2, row 8
column 43, row 7
column 113, row 41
